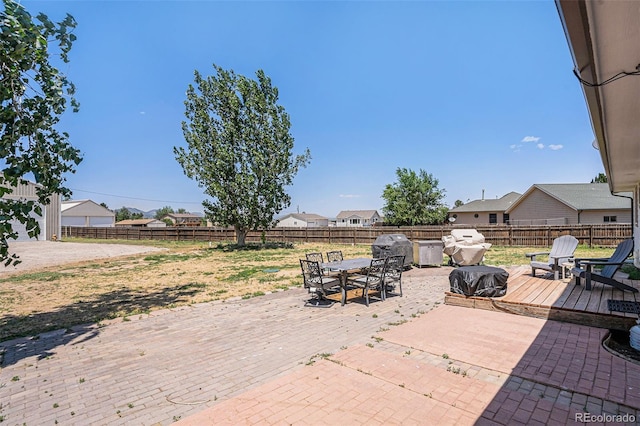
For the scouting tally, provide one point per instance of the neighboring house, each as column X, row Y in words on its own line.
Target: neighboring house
column 357, row 218
column 484, row 211
column 86, row 213
column 569, row 203
column 183, row 219
column 49, row 221
column 604, row 38
column 302, row 220
column 141, row 223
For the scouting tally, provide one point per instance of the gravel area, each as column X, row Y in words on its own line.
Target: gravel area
column 40, row 254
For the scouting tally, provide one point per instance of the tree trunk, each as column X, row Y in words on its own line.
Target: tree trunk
column 241, row 234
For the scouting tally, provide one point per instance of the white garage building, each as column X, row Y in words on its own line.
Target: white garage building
column 50, row 219
column 86, row 213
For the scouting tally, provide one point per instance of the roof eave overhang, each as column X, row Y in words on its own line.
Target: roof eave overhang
column 603, row 39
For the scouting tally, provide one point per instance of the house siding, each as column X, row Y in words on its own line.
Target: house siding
column 292, row 222
column 360, row 221
column 302, row 221
column 597, row 216
column 541, row 209
column 468, row 218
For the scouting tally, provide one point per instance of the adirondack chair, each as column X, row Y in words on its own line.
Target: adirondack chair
column 583, row 268
column 561, row 251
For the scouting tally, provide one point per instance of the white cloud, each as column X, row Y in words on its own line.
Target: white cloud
column 142, row 113
column 530, row 139
column 349, row 196
column 555, row 147
column 540, row 146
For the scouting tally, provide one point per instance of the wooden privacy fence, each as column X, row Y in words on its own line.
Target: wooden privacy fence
column 502, row 235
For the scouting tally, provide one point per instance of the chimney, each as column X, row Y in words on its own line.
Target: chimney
column 483, row 195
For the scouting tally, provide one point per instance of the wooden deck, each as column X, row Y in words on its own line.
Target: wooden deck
column 561, row 300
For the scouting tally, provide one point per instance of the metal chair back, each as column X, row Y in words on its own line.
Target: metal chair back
column 311, row 273
column 334, row 256
column 315, row 257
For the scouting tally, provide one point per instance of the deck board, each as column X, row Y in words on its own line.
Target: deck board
column 543, row 297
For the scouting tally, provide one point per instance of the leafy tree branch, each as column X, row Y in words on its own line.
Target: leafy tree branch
column 33, row 96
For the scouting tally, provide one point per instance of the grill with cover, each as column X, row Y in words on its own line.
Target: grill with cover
column 465, row 247
column 393, row 245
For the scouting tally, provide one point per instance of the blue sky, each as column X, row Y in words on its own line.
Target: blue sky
column 479, row 94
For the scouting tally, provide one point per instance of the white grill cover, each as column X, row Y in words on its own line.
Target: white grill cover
column 465, row 246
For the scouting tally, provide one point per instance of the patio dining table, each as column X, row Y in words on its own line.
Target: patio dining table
column 345, row 267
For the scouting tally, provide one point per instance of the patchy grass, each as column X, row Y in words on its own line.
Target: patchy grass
column 36, row 276
column 634, row 273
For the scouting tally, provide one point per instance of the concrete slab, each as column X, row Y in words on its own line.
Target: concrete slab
column 41, row 254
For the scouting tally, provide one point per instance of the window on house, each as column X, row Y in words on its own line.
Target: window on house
column 354, row 221
column 475, row 215
column 610, row 219
column 505, row 217
column 493, row 218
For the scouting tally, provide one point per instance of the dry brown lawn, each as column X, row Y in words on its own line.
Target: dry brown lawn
column 59, row 297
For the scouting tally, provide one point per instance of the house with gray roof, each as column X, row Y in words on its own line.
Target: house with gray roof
column 302, row 220
column 569, row 203
column 483, row 211
column 358, row 218
column 141, row 223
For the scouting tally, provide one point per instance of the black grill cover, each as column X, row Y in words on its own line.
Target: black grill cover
column 479, row 280
column 393, row 245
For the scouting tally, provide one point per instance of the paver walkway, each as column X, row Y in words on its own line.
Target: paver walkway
column 158, row 368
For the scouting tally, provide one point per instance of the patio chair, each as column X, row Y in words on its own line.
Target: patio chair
column 561, row 252
column 584, row 268
column 315, row 257
column 393, row 275
column 334, row 256
column 317, row 284
column 373, row 280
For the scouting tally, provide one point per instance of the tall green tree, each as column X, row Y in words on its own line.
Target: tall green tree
column 239, row 149
column 414, row 199
column 162, row 212
column 33, row 96
column 123, row 214
column 601, row 178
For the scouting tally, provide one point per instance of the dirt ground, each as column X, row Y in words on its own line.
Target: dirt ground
column 40, row 254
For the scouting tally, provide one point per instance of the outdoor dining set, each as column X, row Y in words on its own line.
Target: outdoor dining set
column 378, row 275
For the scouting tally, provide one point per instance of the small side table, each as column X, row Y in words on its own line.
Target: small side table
column 566, row 267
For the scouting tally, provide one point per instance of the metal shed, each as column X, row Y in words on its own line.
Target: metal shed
column 50, row 219
column 86, row 213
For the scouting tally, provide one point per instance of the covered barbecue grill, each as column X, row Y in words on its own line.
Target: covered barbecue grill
column 465, row 247
column 393, row 245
